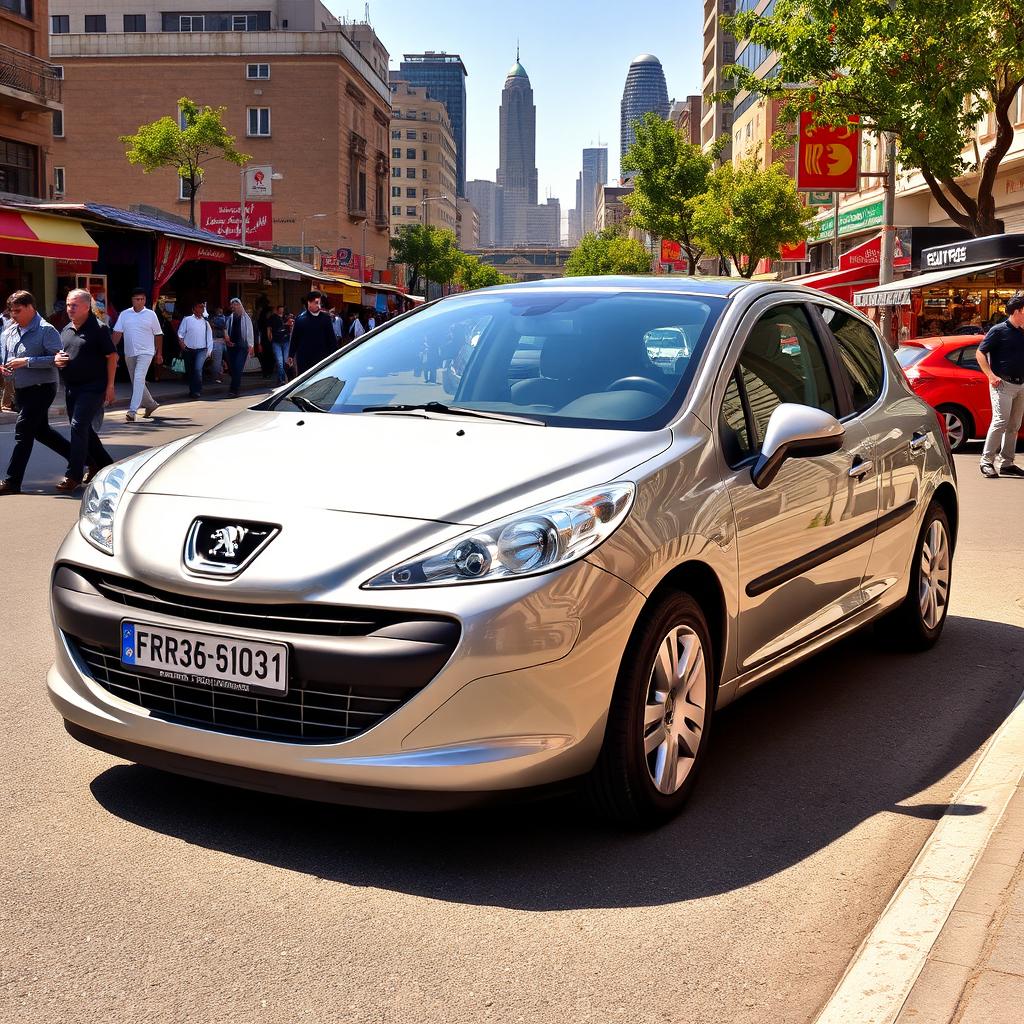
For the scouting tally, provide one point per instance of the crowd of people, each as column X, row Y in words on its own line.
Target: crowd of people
column 76, row 348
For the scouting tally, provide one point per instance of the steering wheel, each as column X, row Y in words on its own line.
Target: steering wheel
column 651, row 387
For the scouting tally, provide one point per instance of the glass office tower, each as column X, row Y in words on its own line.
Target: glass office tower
column 645, row 92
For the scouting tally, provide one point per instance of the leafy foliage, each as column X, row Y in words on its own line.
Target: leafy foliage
column 164, row 143
column 472, row 274
column 926, row 71
column 428, row 251
column 748, row 211
column 607, row 252
column 669, row 171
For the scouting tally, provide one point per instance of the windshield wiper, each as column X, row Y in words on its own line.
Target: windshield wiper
column 455, row 410
column 305, row 404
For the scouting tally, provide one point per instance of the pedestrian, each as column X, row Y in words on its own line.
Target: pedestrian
column 195, row 336
column 358, row 327
column 371, row 320
column 264, row 351
column 312, row 335
column 1001, row 358
column 26, row 359
column 240, row 342
column 8, row 400
column 338, row 326
column 87, row 362
column 218, row 323
column 143, row 344
column 278, row 338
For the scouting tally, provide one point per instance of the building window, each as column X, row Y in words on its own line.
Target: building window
column 410, row 211
column 410, row 154
column 191, row 23
column 361, row 191
column 397, row 134
column 58, row 124
column 60, row 24
column 22, row 7
column 396, row 154
column 184, row 191
column 135, row 23
column 245, row 22
column 410, row 172
column 396, row 191
column 410, row 193
column 396, row 211
column 396, row 172
column 95, row 23
column 411, row 135
column 261, row 71
column 259, row 122
column 18, row 164
column 58, row 182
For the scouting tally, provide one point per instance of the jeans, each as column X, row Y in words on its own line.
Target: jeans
column 83, row 404
column 1007, row 413
column 280, row 355
column 194, row 359
column 138, row 367
column 34, row 425
column 217, row 360
column 238, row 355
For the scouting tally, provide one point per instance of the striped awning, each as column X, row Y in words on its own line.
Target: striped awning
column 36, row 234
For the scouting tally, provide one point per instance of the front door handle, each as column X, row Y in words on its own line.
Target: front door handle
column 861, row 467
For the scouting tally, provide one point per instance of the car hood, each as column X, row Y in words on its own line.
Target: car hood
column 443, row 469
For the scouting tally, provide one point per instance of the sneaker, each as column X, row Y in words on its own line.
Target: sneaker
column 146, row 413
column 9, row 487
column 988, row 470
column 129, row 416
column 1011, row 470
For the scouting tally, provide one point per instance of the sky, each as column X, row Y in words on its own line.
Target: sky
column 576, row 53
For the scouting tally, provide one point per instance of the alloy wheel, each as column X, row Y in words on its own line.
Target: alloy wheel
column 675, row 708
column 955, row 430
column 933, row 586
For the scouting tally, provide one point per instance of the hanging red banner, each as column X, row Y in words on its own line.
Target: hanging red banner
column 671, row 252
column 793, row 253
column 829, row 155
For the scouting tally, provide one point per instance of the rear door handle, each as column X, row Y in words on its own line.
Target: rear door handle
column 861, row 467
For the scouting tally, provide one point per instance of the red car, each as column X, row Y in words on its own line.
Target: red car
column 945, row 373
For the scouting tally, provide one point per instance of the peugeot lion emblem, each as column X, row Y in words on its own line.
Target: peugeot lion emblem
column 224, row 547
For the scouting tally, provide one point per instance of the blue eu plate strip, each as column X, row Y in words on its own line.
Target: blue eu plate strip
column 128, row 643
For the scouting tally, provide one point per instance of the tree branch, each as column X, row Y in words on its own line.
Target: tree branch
column 957, row 216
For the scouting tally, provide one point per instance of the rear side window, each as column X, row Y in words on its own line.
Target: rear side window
column 860, row 355
column 967, row 357
column 909, row 355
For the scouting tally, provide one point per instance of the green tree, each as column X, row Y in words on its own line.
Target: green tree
column 428, row 251
column 472, row 274
column 164, row 143
column 926, row 71
column 748, row 211
column 607, row 252
column 669, row 171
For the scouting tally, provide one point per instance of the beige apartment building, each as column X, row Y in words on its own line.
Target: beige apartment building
column 718, row 53
column 467, row 231
column 422, row 183
column 304, row 94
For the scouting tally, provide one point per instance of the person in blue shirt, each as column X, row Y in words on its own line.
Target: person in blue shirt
column 1001, row 358
column 27, row 349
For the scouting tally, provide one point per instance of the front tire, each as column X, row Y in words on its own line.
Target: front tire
column 660, row 716
column 916, row 624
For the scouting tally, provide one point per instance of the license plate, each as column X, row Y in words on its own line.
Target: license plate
column 202, row 659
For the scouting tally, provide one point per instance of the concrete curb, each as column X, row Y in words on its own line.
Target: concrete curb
column 882, row 973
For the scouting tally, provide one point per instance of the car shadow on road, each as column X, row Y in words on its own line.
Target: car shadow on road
column 793, row 766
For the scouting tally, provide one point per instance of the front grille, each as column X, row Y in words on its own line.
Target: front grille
column 303, row 716
column 312, row 619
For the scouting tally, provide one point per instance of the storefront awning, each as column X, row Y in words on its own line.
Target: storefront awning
column 897, row 293
column 290, row 273
column 829, row 279
column 36, row 234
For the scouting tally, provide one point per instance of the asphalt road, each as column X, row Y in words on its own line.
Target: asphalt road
column 129, row 895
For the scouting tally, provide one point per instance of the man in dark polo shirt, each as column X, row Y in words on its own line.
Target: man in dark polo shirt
column 87, row 363
column 1001, row 358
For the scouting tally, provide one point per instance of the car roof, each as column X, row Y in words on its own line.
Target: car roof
column 945, row 341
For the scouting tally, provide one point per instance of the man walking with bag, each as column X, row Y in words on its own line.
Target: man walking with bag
column 240, row 343
column 196, row 339
column 1001, row 358
column 143, row 344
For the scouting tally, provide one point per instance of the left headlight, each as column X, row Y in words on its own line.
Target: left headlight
column 538, row 540
column 103, row 495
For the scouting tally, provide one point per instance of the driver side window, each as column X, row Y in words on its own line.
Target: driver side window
column 782, row 361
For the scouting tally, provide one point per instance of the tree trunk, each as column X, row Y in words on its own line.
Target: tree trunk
column 192, row 200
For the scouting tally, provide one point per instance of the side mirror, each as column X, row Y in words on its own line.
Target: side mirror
column 795, row 432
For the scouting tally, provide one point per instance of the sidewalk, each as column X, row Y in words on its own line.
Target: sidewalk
column 974, row 973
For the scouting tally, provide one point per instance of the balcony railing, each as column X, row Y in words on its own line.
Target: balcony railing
column 27, row 74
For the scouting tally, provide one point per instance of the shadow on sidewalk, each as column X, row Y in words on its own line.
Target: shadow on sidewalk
column 795, row 765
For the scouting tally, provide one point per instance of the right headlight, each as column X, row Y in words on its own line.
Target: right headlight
column 538, row 540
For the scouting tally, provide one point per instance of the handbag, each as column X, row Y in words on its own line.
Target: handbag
column 178, row 365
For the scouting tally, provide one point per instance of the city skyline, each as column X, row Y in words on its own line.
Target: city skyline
column 576, row 109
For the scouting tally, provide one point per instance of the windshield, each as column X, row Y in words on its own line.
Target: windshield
column 566, row 358
column 907, row 355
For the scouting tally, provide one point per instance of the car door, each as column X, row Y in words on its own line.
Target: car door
column 900, row 428
column 802, row 542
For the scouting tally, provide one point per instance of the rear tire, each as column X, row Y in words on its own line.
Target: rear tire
column 916, row 624
column 959, row 425
column 660, row 716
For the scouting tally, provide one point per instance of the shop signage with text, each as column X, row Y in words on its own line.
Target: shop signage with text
column 851, row 221
column 869, row 254
column 225, row 219
column 829, row 155
column 258, row 182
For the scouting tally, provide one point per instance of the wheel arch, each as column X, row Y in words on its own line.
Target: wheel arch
column 945, row 495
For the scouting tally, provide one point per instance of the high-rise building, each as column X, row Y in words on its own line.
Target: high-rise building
column 486, row 197
column 686, row 115
column 443, row 75
column 422, row 160
column 719, row 53
column 517, row 155
column 595, row 174
column 645, row 92
column 467, row 231
column 544, row 224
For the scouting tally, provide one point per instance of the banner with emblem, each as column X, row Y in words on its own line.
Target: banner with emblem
column 828, row 155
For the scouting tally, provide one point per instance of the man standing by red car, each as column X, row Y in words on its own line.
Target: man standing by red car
column 1001, row 358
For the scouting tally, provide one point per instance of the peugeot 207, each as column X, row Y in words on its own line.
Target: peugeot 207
column 639, row 499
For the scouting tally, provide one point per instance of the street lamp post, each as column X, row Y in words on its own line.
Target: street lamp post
column 302, row 233
column 426, row 224
column 241, row 197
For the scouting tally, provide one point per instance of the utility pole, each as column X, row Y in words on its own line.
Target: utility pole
column 885, row 261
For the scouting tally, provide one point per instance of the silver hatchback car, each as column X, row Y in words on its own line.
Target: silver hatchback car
column 637, row 499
